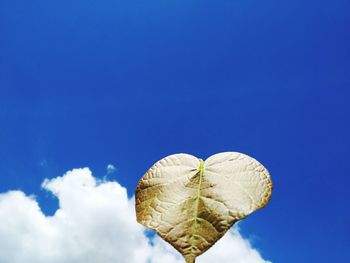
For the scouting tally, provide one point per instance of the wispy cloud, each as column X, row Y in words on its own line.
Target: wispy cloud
column 95, row 222
column 43, row 163
column 111, row 168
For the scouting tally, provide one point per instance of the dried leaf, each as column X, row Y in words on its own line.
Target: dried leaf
column 192, row 203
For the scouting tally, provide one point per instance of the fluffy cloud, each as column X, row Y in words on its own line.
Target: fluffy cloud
column 95, row 222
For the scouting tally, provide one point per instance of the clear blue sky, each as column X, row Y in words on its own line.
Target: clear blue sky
column 88, row 83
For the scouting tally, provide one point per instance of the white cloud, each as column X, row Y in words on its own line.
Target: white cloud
column 111, row 168
column 95, row 222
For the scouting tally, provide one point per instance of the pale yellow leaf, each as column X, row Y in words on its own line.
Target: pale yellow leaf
column 192, row 203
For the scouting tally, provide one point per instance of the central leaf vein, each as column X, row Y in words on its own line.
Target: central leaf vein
column 194, row 227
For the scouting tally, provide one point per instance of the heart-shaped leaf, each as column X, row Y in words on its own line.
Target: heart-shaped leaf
column 191, row 203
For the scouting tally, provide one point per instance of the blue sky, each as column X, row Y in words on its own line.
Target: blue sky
column 92, row 83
